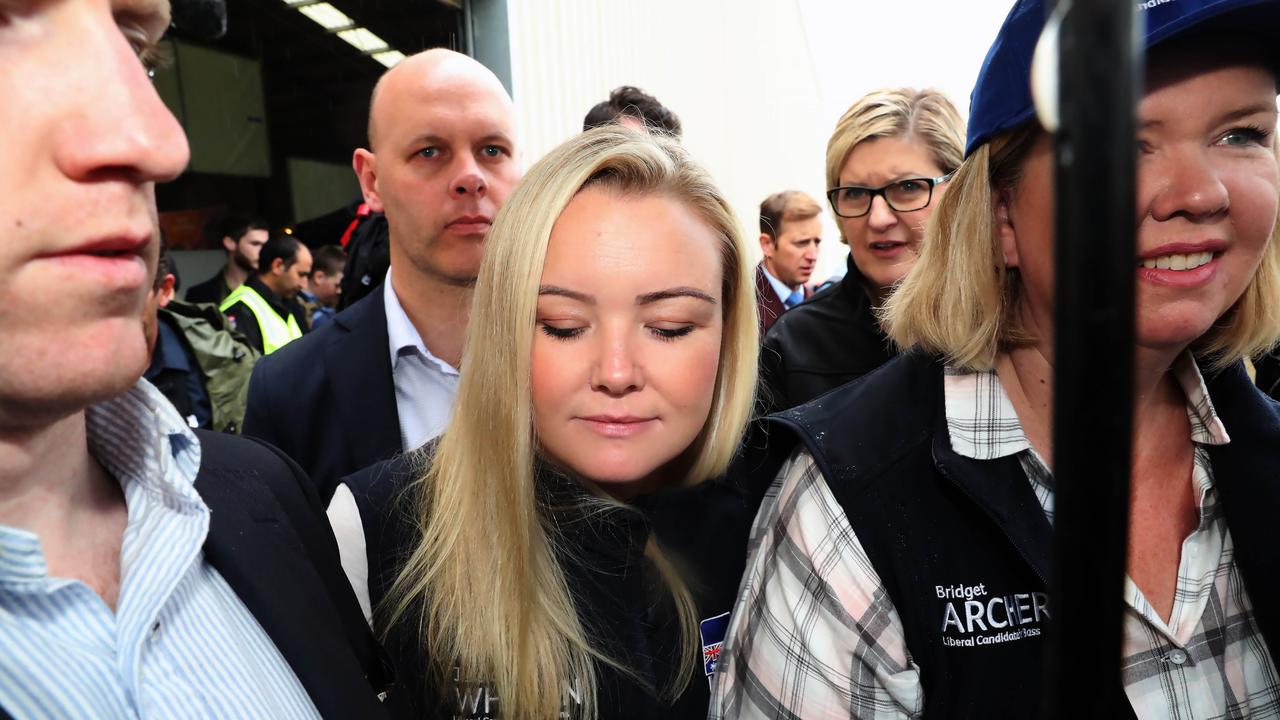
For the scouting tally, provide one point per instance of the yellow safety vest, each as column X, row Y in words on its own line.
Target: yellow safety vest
column 276, row 331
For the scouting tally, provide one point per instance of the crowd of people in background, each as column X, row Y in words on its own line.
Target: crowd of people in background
column 552, row 444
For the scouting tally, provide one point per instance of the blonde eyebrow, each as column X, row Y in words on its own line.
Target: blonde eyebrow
column 675, row 292
column 557, row 291
column 643, row 299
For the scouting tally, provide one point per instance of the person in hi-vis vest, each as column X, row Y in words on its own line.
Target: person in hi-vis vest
column 264, row 309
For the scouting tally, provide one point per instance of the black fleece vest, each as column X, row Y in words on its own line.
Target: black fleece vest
column 624, row 607
column 963, row 545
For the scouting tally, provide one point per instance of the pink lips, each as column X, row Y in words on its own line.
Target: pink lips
column 886, row 249
column 613, row 426
column 115, row 261
column 470, row 225
column 1183, row 278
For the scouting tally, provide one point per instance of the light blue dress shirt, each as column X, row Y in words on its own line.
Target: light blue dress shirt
column 180, row 644
column 425, row 384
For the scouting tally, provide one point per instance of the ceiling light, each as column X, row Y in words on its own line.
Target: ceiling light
column 362, row 39
column 389, row 57
column 328, row 16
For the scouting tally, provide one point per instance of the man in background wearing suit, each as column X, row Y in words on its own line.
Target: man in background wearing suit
column 381, row 377
column 148, row 570
column 790, row 232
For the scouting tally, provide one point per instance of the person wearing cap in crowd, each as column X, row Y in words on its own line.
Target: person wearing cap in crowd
column 147, row 570
column 887, row 164
column 790, row 233
column 900, row 559
column 265, row 309
column 633, row 107
column 242, row 237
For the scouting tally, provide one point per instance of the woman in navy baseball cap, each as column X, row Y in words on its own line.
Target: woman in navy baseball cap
column 900, row 560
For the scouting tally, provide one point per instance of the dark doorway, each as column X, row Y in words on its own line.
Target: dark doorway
column 274, row 108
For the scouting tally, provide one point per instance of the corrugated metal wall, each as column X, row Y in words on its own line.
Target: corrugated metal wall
column 739, row 73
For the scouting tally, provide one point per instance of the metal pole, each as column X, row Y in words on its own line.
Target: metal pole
column 1098, row 89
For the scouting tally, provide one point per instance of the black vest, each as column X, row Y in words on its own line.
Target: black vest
column 963, row 546
column 624, row 607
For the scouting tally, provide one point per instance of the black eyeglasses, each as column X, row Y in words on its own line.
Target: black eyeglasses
column 907, row 195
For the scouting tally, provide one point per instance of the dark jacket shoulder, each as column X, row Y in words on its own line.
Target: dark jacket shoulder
column 826, row 341
column 212, row 291
column 701, row 529
column 328, row 399
column 1244, row 477
column 873, row 420
column 382, row 494
column 269, row 539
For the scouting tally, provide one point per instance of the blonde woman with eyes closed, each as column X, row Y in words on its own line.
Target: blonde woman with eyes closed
column 524, row 565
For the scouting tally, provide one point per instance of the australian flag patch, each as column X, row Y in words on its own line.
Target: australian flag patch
column 712, row 631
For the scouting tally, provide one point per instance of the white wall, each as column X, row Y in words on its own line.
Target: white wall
column 737, row 72
column 758, row 84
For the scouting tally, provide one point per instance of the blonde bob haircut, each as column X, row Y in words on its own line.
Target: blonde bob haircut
column 968, row 322
column 483, row 584
column 898, row 112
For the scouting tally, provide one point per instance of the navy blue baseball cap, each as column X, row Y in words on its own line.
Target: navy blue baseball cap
column 1001, row 99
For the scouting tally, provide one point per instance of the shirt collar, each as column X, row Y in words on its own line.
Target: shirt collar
column 780, row 288
column 402, row 336
column 140, row 439
column 983, row 425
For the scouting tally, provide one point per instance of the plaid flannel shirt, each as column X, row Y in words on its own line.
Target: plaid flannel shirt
column 814, row 634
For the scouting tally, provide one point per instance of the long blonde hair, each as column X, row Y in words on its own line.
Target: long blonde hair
column 483, row 584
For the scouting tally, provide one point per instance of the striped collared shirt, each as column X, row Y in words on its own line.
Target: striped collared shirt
column 180, row 643
column 791, row 652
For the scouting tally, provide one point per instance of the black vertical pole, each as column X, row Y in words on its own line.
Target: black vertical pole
column 1093, row 353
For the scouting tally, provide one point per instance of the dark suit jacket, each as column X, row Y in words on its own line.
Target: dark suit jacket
column 269, row 539
column 767, row 302
column 821, row 344
column 214, row 290
column 328, row 400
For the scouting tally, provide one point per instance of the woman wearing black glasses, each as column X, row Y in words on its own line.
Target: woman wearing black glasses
column 887, row 164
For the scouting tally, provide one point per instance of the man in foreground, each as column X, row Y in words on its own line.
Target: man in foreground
column 149, row 570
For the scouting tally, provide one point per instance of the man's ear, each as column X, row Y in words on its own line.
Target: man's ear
column 278, row 267
column 1005, row 230
column 229, row 243
column 767, row 244
column 164, row 293
column 365, row 163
